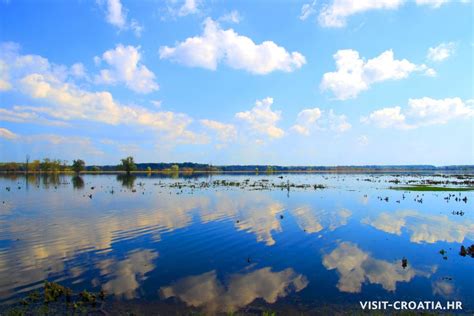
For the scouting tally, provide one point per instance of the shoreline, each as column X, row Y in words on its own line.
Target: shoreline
column 296, row 171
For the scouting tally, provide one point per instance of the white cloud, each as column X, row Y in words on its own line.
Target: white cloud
column 4, row 78
column 68, row 144
column 78, row 70
column 307, row 10
column 387, row 117
column 261, row 119
column 338, row 123
column 231, row 17
column 441, row 52
column 157, row 103
column 336, row 13
column 216, row 46
column 309, row 120
column 432, row 3
column 181, row 8
column 354, row 74
column 225, row 132
column 305, row 120
column 117, row 16
column 7, row 134
column 428, row 111
column 61, row 99
column 421, row 112
column 189, row 7
column 16, row 115
column 125, row 67
column 136, row 27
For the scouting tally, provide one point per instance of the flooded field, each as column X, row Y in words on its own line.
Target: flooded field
column 243, row 244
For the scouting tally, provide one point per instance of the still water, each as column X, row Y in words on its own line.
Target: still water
column 199, row 244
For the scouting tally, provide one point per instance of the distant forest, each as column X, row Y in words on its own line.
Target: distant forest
column 263, row 168
column 49, row 165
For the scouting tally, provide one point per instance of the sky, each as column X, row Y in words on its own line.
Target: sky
column 286, row 82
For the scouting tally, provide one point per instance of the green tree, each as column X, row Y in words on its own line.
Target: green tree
column 128, row 165
column 78, row 165
column 35, row 165
column 46, row 165
column 174, row 168
column 148, row 169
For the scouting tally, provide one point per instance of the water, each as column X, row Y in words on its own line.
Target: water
column 156, row 243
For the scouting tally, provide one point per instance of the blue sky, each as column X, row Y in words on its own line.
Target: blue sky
column 332, row 82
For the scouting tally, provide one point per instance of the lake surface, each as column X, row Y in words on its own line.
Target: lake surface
column 248, row 244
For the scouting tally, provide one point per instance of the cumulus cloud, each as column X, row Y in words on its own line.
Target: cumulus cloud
column 217, row 45
column 7, row 134
column 354, row 74
column 116, row 15
column 261, row 119
column 387, row 117
column 62, row 99
column 309, row 120
column 206, row 291
column 225, row 132
column 335, row 13
column 421, row 112
column 441, row 52
column 125, row 67
column 356, row 267
column 305, row 120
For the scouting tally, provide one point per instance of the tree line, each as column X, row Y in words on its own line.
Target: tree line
column 128, row 165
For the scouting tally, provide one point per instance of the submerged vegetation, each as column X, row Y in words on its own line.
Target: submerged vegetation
column 56, row 299
column 431, row 188
column 78, row 165
column 128, row 165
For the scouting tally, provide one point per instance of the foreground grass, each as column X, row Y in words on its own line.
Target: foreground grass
column 431, row 188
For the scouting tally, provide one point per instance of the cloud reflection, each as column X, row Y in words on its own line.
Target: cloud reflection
column 313, row 221
column 422, row 227
column 207, row 292
column 126, row 275
column 355, row 267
